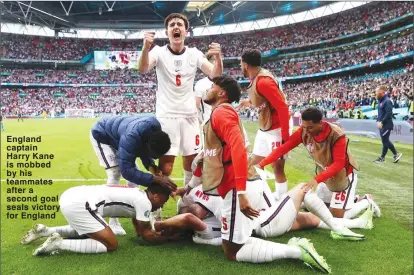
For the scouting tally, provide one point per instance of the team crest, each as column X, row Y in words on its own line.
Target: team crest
column 310, row 148
column 147, row 213
column 178, row 63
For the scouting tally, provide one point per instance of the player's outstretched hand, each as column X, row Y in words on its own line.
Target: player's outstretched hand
column 155, row 170
column 310, row 185
column 245, row 207
column 148, row 39
column 181, row 191
column 165, row 182
column 214, row 49
column 259, row 167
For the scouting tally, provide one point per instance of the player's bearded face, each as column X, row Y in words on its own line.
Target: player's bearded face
column 212, row 95
column 176, row 31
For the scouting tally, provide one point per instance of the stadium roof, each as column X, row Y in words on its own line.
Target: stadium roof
column 134, row 15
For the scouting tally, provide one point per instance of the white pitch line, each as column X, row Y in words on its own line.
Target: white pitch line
column 269, row 176
column 82, row 179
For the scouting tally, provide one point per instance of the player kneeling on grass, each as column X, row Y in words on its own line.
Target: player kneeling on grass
column 119, row 140
column 225, row 172
column 327, row 144
column 276, row 218
column 84, row 207
column 283, row 216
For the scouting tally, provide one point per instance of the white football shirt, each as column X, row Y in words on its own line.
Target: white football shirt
column 118, row 201
column 200, row 90
column 175, row 78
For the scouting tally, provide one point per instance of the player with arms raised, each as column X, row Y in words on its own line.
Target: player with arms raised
column 176, row 67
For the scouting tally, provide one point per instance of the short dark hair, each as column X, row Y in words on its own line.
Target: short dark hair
column 230, row 85
column 158, row 189
column 179, row 16
column 159, row 142
column 252, row 57
column 312, row 114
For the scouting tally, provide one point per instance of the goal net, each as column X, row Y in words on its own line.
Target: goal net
column 79, row 113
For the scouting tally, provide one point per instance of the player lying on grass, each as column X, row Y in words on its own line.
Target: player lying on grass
column 226, row 173
column 275, row 219
column 208, row 231
column 328, row 146
column 84, row 207
column 119, row 140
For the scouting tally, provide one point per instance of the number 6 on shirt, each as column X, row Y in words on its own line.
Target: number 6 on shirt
column 178, row 80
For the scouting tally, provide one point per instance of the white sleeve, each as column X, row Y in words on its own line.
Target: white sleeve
column 154, row 54
column 201, row 58
column 143, row 210
column 198, row 89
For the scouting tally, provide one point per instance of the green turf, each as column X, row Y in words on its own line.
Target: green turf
column 387, row 250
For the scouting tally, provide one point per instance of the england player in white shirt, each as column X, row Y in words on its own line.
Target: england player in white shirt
column 85, row 208
column 176, row 66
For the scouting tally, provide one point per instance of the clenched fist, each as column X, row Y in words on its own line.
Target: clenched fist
column 214, row 49
column 148, row 39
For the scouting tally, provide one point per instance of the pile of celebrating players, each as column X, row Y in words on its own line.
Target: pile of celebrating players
column 226, row 199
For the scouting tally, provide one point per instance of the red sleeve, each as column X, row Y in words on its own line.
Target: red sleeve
column 339, row 161
column 198, row 172
column 268, row 88
column 294, row 141
column 225, row 123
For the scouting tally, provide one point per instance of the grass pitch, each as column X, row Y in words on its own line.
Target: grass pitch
column 387, row 249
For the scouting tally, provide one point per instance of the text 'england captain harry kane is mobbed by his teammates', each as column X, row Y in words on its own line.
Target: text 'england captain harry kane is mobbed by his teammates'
column 176, row 66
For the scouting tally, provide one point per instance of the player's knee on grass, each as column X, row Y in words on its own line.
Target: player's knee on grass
column 305, row 220
column 106, row 237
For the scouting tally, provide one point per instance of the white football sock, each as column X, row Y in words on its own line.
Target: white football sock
column 260, row 251
column 89, row 246
column 348, row 223
column 356, row 209
column 281, row 188
column 65, row 231
column 214, row 241
column 113, row 175
column 316, row 206
column 276, row 196
column 187, row 177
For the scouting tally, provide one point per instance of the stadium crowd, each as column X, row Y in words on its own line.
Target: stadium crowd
column 349, row 93
column 77, row 76
column 102, row 100
column 305, row 33
column 283, row 67
column 331, row 95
